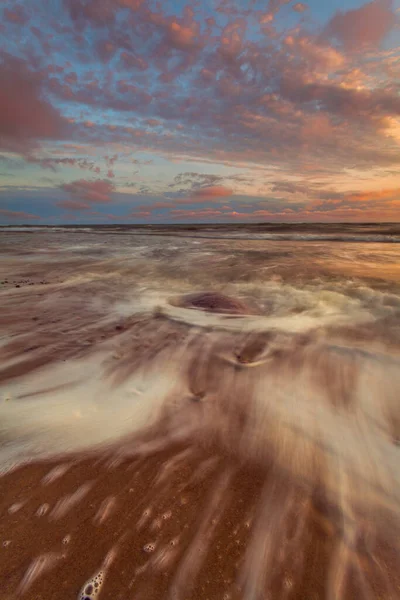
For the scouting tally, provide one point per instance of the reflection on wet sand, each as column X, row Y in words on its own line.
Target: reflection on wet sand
column 162, row 442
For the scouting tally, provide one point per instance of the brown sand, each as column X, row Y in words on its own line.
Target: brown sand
column 199, row 516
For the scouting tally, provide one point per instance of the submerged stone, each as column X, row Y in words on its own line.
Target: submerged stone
column 212, row 302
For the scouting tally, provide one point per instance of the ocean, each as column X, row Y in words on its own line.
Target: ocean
column 200, row 412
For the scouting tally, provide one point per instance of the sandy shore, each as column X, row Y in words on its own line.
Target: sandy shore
column 178, row 524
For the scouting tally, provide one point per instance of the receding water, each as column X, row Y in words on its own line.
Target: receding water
column 239, row 358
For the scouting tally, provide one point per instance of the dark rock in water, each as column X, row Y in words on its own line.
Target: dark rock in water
column 252, row 348
column 213, row 302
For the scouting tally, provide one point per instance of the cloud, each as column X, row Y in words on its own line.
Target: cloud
column 283, row 97
column 105, row 50
column 190, row 180
column 16, row 15
column 383, row 194
column 97, row 192
column 110, row 160
column 73, row 205
column 16, row 215
column 182, row 37
column 216, row 191
column 140, row 214
column 26, row 116
column 53, row 163
column 130, row 60
column 364, row 26
column 300, row 7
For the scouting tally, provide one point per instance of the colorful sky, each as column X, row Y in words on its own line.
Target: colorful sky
column 142, row 111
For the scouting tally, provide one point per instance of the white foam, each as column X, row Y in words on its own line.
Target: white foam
column 43, row 426
column 92, row 587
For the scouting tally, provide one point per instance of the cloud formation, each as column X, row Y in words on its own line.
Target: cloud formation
column 365, row 26
column 97, row 191
column 17, row 215
column 25, row 115
column 255, row 96
column 215, row 191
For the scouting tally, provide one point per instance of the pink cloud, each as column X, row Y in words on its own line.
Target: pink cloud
column 71, row 78
column 16, row 15
column 365, row 26
column 98, row 12
column 141, row 214
column 25, row 115
column 13, row 214
column 182, row 37
column 156, row 205
column 133, row 61
column 105, row 50
column 235, row 91
column 214, row 191
column 111, row 160
column 153, row 122
column 73, row 205
column 97, row 192
column 300, row 7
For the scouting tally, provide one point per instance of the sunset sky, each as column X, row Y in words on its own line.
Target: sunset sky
column 134, row 111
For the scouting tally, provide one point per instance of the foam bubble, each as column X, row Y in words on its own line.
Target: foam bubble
column 91, row 588
column 144, row 518
column 149, row 547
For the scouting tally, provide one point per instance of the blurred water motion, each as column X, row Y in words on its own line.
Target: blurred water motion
column 241, row 386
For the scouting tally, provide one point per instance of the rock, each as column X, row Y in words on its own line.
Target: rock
column 212, row 302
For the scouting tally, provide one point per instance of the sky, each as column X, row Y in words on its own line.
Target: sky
column 199, row 111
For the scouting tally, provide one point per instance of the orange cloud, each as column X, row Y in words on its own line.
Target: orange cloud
column 13, row 214
column 376, row 195
column 214, row 191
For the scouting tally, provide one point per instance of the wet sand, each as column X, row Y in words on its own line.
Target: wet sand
column 179, row 525
column 193, row 446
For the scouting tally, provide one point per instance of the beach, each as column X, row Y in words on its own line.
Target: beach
column 200, row 413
